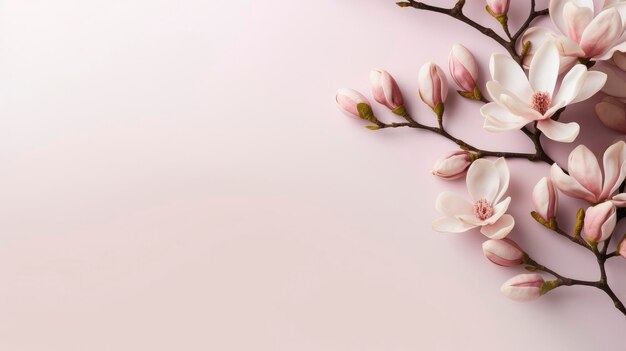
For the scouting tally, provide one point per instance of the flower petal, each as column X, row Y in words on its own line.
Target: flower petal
column 507, row 72
column 499, row 119
column 451, row 225
column 557, row 9
column 483, row 180
column 619, row 200
column 583, row 166
column 499, row 229
column 544, row 68
column 577, row 18
column 594, row 81
column 569, row 186
column 614, row 161
column 557, row 131
column 571, row 84
column 602, row 33
column 504, row 174
column 452, row 204
column 499, row 210
column 518, row 108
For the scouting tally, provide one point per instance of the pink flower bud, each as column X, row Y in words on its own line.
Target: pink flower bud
column 545, row 198
column 348, row 101
column 498, row 7
column 621, row 247
column 600, row 221
column 523, row 287
column 385, row 89
column 612, row 113
column 503, row 252
column 463, row 68
column 433, row 85
column 453, row 166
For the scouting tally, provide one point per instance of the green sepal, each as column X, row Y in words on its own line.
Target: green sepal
column 373, row 127
column 473, row 156
column 366, row 113
column 539, row 219
column 403, row 4
column 477, row 94
column 503, row 19
column 580, row 222
column 472, row 95
column 400, row 111
column 531, row 268
column 525, row 49
column 549, row 285
column 439, row 108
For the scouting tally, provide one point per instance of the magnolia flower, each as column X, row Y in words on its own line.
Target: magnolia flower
column 519, row 100
column 486, row 182
column 463, row 69
column 348, row 101
column 585, row 177
column 433, row 85
column 545, row 198
column 498, row 7
column 612, row 113
column 503, row 252
column 385, row 89
column 600, row 221
column 583, row 34
column 523, row 287
column 453, row 166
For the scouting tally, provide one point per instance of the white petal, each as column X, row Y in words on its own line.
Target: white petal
column 499, row 119
column 544, row 68
column 557, row 131
column 508, row 73
column 557, row 12
column 570, row 186
column 499, row 229
column 499, row 210
column 483, row 180
column 583, row 165
column 614, row 161
column 451, row 204
column 518, row 108
column 619, row 200
column 504, row 174
column 602, row 33
column 571, row 84
column 450, row 225
column 594, row 81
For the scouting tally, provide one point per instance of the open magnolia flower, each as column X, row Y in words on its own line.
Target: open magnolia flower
column 486, row 182
column 585, row 177
column 519, row 100
column 584, row 34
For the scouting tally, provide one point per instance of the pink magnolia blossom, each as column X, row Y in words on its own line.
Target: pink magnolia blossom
column 503, row 252
column 585, row 179
column 600, row 221
column 584, row 32
column 519, row 100
column 385, row 89
column 463, row 68
column 433, row 85
column 612, row 113
column 545, row 198
column 486, row 182
column 498, row 7
column 348, row 100
column 453, row 165
column 523, row 287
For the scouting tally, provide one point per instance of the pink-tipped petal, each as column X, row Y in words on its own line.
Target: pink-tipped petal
column 508, row 73
column 545, row 198
column 619, row 200
column 602, row 33
column 569, row 186
column 503, row 252
column 593, row 83
column 600, row 221
column 577, row 18
column 583, row 165
column 504, row 175
column 614, row 161
column 483, row 180
column 544, row 68
column 499, row 229
column 523, row 287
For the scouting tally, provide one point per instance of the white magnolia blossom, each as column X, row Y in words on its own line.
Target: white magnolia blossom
column 486, row 182
column 519, row 100
column 584, row 32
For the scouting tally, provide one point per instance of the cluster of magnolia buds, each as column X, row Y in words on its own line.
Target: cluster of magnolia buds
column 433, row 88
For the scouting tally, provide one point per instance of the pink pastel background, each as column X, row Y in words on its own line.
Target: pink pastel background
column 176, row 176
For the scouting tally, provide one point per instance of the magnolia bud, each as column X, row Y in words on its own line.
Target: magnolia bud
column 354, row 104
column 612, row 113
column 454, row 165
column 523, row 287
column 503, row 252
column 600, row 221
column 386, row 90
column 497, row 7
column 463, row 69
column 621, row 247
column 433, row 86
column 546, row 199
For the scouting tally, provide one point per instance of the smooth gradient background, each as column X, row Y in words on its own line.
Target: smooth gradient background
column 176, row 176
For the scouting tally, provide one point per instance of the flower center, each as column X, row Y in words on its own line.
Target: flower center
column 541, row 102
column 482, row 209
